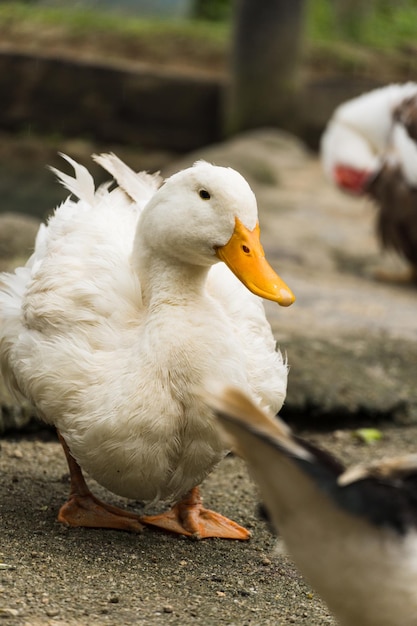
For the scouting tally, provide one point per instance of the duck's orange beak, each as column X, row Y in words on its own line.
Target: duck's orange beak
column 245, row 256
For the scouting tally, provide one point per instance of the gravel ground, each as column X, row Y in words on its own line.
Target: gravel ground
column 51, row 575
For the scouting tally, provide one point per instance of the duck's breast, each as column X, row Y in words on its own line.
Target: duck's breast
column 139, row 423
column 265, row 368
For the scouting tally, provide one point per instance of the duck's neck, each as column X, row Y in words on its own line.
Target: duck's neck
column 168, row 282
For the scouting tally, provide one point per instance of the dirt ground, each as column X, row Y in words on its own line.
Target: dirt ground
column 54, row 576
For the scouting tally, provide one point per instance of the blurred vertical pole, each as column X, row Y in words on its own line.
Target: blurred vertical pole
column 265, row 72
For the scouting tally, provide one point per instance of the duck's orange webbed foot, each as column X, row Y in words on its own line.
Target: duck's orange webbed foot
column 88, row 511
column 189, row 517
column 84, row 509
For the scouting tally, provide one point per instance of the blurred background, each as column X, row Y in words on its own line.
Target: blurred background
column 249, row 84
column 154, row 79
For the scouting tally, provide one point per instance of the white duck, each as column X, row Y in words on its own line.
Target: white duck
column 352, row 533
column 121, row 314
column 368, row 147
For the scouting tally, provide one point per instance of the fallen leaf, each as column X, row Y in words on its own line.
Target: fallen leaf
column 368, row 435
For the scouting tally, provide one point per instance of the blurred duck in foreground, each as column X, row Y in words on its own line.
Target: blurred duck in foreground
column 369, row 147
column 121, row 313
column 352, row 533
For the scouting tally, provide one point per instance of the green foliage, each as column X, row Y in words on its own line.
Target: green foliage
column 213, row 10
column 80, row 21
column 376, row 23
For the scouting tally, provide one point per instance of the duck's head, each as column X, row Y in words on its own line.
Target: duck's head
column 349, row 159
column 208, row 213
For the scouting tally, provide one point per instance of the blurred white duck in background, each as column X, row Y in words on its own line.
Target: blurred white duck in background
column 121, row 313
column 369, row 147
column 352, row 533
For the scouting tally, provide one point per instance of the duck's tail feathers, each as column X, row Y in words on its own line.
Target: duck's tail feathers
column 81, row 185
column 238, row 414
column 140, row 186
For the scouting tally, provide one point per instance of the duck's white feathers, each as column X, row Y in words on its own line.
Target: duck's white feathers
column 119, row 383
column 81, row 185
column 140, row 186
column 253, row 333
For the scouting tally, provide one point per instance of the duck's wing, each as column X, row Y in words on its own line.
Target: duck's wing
column 403, row 151
column 80, row 276
column 396, row 222
column 406, row 115
column 394, row 190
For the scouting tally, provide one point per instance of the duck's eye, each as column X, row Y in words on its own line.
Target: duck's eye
column 204, row 194
column 245, row 249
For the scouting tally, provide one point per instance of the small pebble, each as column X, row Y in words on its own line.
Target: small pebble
column 168, row 608
column 114, row 599
column 6, row 612
column 16, row 454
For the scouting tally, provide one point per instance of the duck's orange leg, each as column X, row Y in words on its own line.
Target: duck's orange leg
column 189, row 517
column 84, row 509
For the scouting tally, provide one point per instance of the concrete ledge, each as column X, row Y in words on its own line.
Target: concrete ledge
column 111, row 102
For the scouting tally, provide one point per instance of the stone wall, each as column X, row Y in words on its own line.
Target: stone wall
column 108, row 102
